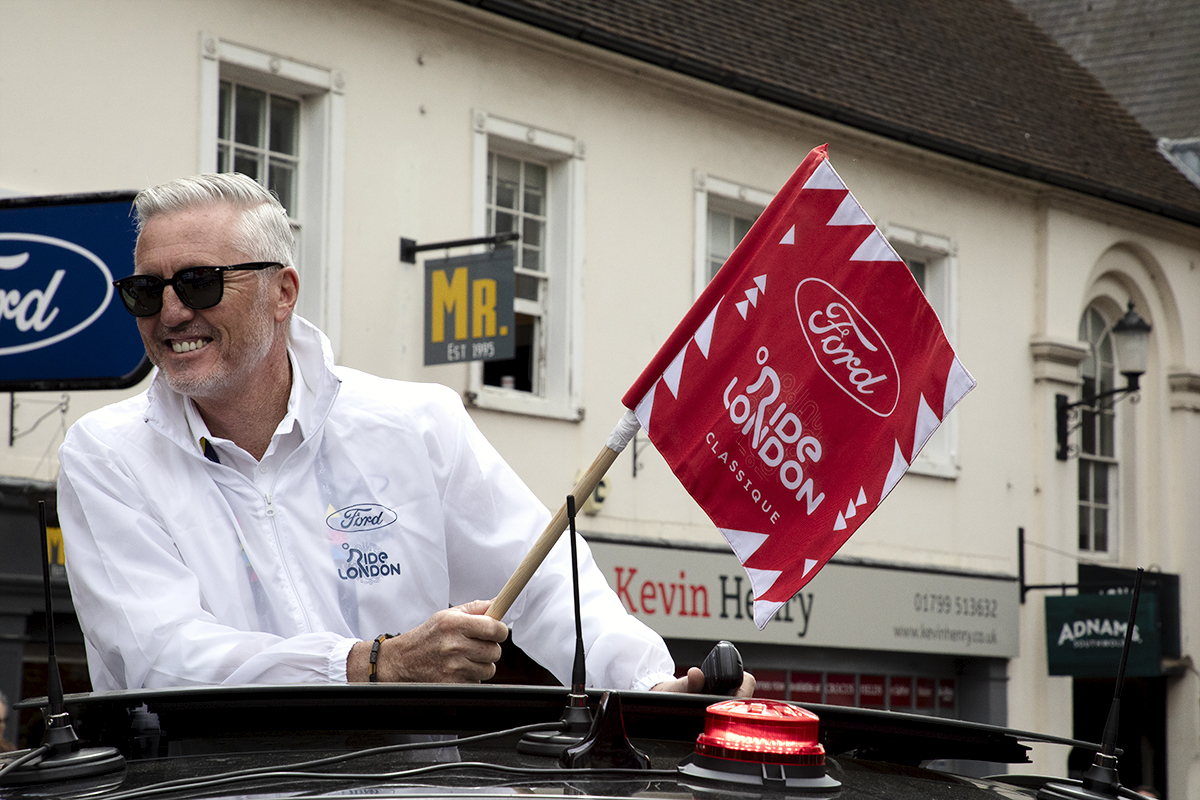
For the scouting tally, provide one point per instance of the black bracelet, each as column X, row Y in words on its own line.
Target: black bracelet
column 371, row 675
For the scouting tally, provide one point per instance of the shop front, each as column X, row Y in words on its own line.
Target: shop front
column 869, row 635
column 1085, row 634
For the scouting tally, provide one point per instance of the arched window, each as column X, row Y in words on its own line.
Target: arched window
column 1097, row 447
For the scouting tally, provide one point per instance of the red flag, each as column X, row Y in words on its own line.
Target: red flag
column 800, row 386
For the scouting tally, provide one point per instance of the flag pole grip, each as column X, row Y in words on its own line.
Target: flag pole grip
column 558, row 523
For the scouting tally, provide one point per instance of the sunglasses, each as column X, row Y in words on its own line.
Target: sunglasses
column 196, row 287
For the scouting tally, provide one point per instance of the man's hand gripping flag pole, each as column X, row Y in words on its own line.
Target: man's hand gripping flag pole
column 621, row 435
column 796, row 391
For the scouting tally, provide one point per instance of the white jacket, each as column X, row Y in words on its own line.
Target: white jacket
column 391, row 507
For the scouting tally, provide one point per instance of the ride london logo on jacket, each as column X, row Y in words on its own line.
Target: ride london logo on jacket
column 362, row 561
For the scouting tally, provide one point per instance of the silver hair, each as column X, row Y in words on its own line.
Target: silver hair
column 264, row 233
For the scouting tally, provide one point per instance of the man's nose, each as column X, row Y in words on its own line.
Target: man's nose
column 173, row 310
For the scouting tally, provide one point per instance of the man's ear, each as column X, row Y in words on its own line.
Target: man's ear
column 286, row 291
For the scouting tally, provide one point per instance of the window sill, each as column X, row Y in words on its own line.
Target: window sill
column 934, row 469
column 514, row 402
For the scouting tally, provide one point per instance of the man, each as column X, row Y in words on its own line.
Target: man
column 260, row 515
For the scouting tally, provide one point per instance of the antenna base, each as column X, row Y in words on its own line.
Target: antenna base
column 86, row 762
column 576, row 720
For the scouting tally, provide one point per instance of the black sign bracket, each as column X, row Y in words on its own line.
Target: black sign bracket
column 1027, row 587
column 62, row 406
column 409, row 247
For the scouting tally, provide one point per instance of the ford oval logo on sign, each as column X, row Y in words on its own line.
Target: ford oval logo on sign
column 61, row 324
column 35, row 312
column 847, row 346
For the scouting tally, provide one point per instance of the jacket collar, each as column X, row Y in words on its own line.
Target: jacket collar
column 311, row 353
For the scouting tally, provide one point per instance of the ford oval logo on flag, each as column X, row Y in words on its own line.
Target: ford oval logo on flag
column 847, row 347
column 61, row 326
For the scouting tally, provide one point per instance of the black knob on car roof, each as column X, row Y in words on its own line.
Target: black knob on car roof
column 722, row 669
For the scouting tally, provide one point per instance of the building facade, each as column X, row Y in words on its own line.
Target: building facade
column 631, row 176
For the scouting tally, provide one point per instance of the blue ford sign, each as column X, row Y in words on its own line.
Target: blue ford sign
column 62, row 327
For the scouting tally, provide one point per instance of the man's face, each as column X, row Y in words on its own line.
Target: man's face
column 211, row 353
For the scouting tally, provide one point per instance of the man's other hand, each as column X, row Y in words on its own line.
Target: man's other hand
column 458, row 645
column 693, row 683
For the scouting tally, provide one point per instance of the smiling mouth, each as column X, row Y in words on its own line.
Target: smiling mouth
column 188, row 347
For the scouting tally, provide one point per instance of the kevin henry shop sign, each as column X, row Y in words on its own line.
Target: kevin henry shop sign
column 704, row 594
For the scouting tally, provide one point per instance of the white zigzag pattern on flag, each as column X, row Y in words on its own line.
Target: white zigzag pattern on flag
column 851, row 509
column 645, row 408
column 743, row 543
column 674, row 372
column 927, row 423
column 875, row 248
column 743, row 307
column 824, row 177
column 849, row 213
column 763, row 611
column 958, row 383
column 703, row 335
column 762, row 579
column 899, row 467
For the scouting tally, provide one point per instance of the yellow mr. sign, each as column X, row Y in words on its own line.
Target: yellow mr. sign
column 469, row 308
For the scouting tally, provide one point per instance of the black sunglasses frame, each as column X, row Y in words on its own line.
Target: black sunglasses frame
column 142, row 294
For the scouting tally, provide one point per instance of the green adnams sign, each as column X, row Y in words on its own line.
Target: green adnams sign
column 1085, row 634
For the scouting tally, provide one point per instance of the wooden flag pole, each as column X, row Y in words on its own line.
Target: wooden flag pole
column 626, row 427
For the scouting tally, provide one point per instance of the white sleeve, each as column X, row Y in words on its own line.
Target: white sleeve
column 140, row 606
column 493, row 519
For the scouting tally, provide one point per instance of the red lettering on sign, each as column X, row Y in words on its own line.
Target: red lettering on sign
column 699, row 589
column 667, row 600
column 648, row 595
column 623, row 587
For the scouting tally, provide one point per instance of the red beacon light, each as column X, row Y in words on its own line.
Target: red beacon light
column 765, row 743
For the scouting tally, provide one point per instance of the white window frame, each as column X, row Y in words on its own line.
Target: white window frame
column 319, row 192
column 1112, row 462
column 561, row 346
column 721, row 195
column 939, row 457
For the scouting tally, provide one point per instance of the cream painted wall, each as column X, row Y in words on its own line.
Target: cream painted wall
column 105, row 96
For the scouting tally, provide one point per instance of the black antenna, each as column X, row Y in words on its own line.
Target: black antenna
column 577, row 718
column 54, row 690
column 579, row 672
column 1101, row 782
column 60, row 756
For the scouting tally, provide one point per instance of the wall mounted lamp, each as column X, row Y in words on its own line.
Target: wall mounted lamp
column 1131, row 340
